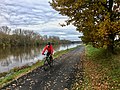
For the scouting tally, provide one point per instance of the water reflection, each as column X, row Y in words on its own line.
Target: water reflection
column 16, row 57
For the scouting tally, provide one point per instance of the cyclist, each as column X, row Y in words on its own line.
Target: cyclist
column 49, row 49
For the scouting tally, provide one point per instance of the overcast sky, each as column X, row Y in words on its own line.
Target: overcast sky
column 35, row 15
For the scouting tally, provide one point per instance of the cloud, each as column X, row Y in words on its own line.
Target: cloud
column 28, row 12
column 68, row 32
column 35, row 15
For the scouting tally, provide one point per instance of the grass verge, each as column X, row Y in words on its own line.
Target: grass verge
column 101, row 70
column 7, row 77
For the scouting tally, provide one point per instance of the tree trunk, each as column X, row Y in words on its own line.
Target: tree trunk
column 111, row 43
column 111, row 36
column 111, row 49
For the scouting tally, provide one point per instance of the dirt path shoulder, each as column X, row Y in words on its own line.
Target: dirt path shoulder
column 58, row 77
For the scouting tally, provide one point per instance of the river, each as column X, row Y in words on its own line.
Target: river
column 17, row 57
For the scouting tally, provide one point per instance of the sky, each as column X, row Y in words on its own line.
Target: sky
column 36, row 15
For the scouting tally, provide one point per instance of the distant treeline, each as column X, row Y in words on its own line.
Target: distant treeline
column 20, row 37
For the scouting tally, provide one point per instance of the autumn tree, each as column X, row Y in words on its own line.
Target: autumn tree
column 98, row 20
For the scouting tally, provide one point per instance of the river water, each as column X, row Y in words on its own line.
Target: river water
column 17, row 57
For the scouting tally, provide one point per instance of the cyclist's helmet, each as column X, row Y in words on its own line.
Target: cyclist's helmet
column 48, row 43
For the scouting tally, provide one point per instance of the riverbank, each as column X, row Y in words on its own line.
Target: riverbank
column 20, row 56
column 101, row 70
column 15, row 73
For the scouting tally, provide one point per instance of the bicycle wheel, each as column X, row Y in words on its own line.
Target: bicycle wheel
column 51, row 62
column 45, row 65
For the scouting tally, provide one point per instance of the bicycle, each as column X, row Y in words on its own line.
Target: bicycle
column 47, row 62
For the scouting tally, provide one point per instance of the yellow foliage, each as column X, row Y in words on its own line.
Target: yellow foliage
column 96, row 19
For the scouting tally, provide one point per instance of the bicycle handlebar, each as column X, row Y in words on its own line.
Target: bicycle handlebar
column 46, row 54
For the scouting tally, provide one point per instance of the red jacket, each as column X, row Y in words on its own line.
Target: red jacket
column 48, row 48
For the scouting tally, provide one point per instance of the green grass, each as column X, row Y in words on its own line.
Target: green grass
column 105, row 64
column 20, row 71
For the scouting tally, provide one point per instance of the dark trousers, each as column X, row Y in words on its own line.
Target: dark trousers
column 49, row 54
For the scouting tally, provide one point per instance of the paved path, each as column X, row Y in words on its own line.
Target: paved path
column 58, row 77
